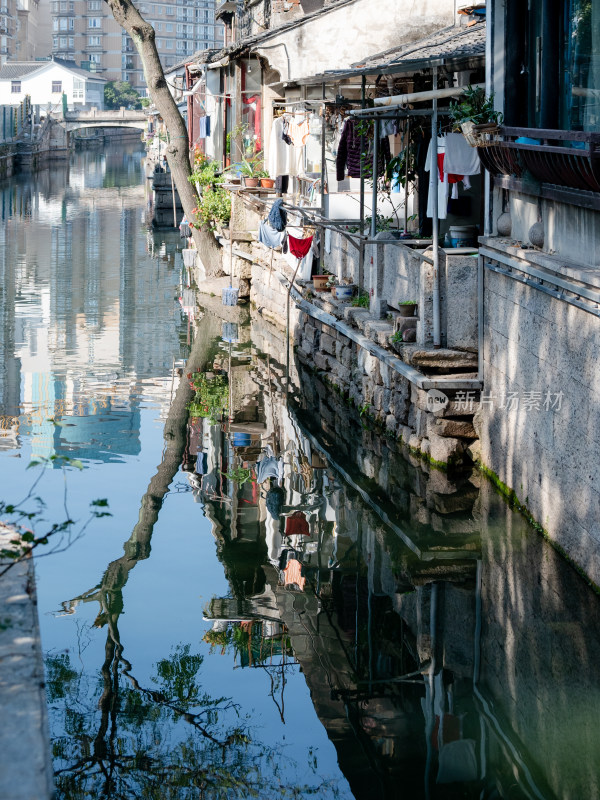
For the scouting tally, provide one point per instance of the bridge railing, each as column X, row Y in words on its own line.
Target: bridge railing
column 95, row 114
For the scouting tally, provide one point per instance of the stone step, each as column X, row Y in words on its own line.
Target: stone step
column 376, row 329
column 442, row 358
column 455, row 428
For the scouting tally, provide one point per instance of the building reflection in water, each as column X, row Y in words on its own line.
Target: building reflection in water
column 87, row 317
column 422, row 611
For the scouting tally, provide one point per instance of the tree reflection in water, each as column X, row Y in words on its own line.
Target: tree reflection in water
column 170, row 741
column 120, row 739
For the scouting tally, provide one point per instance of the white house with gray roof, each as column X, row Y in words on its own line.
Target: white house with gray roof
column 46, row 81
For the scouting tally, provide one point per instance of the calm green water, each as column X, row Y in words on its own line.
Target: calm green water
column 281, row 604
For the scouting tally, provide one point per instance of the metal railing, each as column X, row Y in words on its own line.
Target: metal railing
column 562, row 158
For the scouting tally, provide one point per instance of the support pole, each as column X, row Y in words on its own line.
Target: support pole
column 433, row 189
column 375, row 176
column 407, row 151
column 361, row 252
column 174, row 203
column 323, row 180
column 323, row 165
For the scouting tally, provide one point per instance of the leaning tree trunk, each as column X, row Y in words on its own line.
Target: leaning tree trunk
column 142, row 34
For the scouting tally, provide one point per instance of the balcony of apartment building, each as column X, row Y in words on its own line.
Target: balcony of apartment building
column 63, row 46
column 62, row 7
column 5, row 26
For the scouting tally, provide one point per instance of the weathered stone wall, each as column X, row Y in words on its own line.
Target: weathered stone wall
column 334, row 40
column 540, row 653
column 393, row 274
column 8, row 160
column 539, row 427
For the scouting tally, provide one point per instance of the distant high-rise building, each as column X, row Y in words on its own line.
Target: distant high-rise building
column 8, row 29
column 33, row 40
column 86, row 32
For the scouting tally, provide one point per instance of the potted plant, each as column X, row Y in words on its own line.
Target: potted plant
column 344, row 292
column 266, row 181
column 476, row 117
column 407, row 308
column 251, row 168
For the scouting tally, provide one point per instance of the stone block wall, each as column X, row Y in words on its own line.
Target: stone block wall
column 540, row 655
column 394, row 273
column 343, row 259
column 539, row 425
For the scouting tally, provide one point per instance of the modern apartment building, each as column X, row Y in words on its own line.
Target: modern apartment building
column 33, row 40
column 85, row 31
column 8, row 29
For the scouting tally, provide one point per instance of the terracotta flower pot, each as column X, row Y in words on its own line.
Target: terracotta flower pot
column 251, row 183
column 267, row 183
column 320, row 283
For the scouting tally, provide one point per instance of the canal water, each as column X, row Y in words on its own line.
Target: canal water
column 282, row 603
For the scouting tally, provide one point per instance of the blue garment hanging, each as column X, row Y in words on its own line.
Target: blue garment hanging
column 277, row 216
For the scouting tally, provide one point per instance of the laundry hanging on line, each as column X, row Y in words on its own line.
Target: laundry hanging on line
column 299, row 247
column 204, row 127
column 461, row 158
column 284, row 158
column 277, row 216
column 268, row 236
column 350, row 153
column 297, row 525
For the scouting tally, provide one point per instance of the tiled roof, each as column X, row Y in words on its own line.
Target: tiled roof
column 455, row 42
column 13, row 70
column 84, row 73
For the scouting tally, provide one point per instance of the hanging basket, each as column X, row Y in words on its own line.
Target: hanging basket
column 189, row 257
column 485, row 135
column 230, row 296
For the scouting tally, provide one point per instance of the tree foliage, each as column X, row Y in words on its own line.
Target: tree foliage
column 121, row 93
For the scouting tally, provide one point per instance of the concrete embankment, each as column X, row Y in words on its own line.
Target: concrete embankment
column 25, row 771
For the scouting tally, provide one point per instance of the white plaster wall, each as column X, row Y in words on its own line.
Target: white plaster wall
column 38, row 86
column 536, row 343
column 346, row 35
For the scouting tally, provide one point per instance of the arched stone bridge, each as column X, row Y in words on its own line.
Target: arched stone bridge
column 122, row 118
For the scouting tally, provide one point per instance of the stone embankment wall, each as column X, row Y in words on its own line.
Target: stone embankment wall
column 350, row 353
column 351, row 346
column 539, row 425
column 50, row 143
column 8, row 160
column 25, row 762
column 540, row 653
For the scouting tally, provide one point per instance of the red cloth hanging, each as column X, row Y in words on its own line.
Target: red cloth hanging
column 297, row 525
column 299, row 247
column 451, row 178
